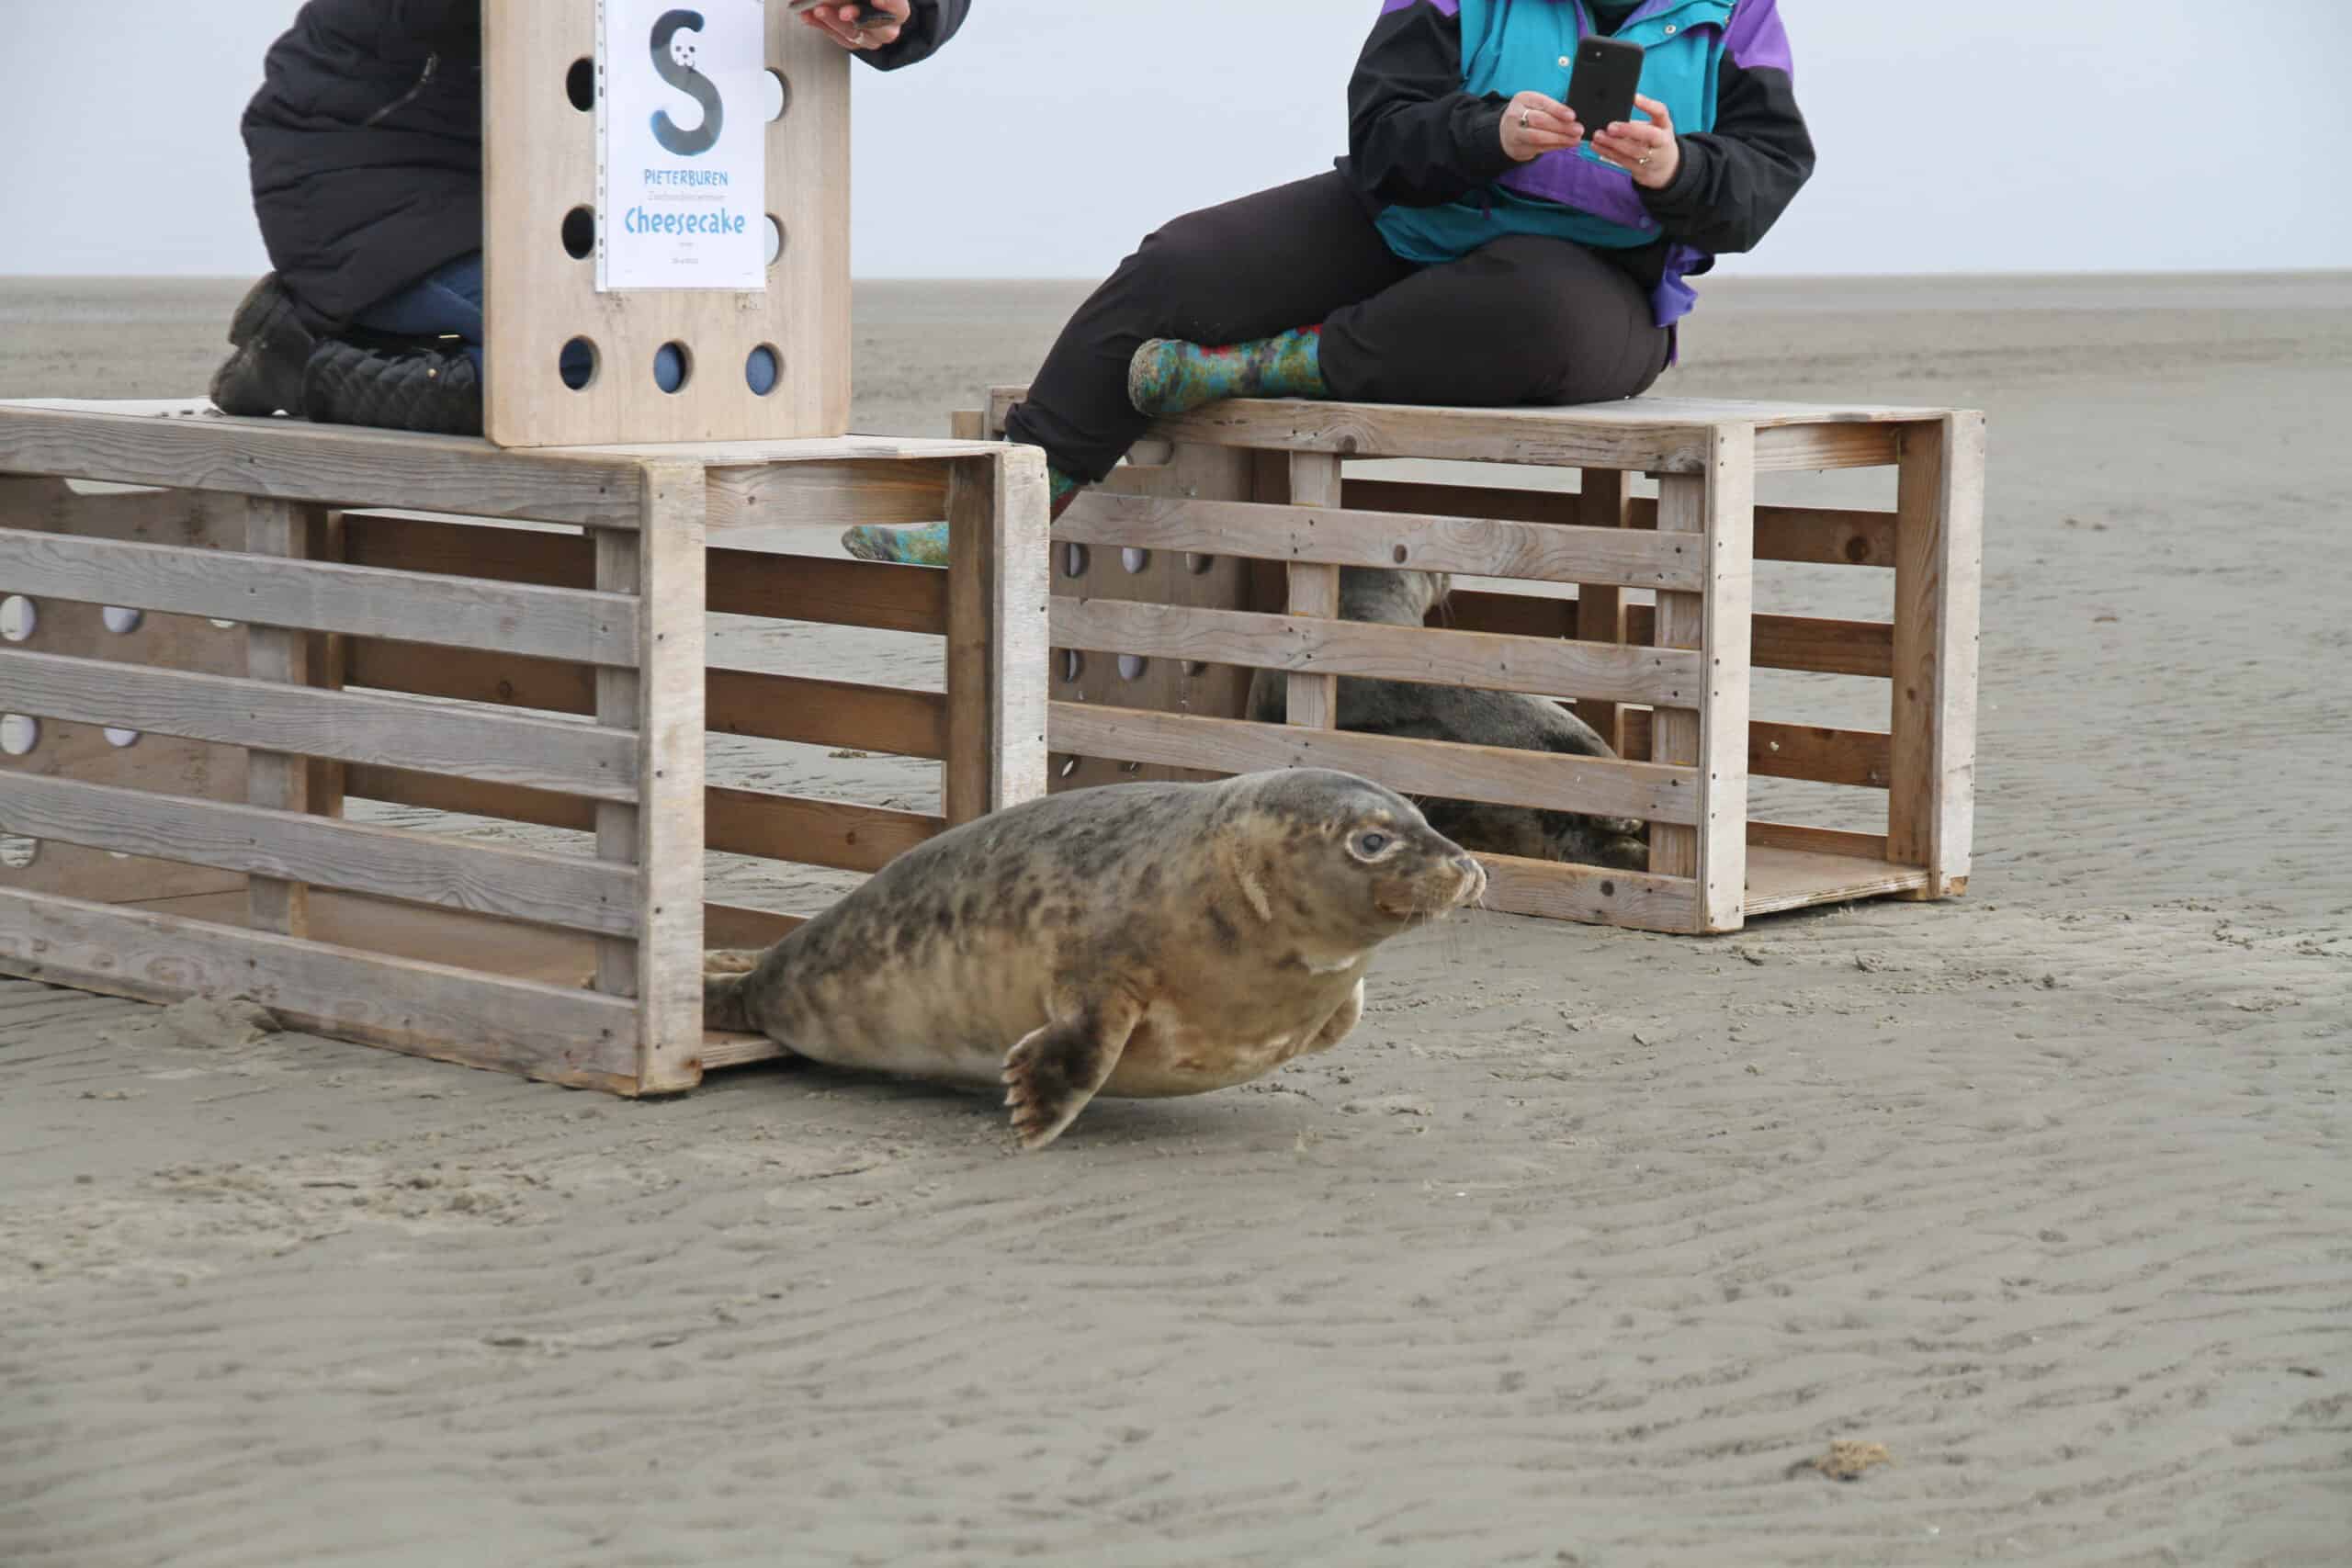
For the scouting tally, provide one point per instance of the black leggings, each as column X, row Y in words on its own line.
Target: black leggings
column 1522, row 320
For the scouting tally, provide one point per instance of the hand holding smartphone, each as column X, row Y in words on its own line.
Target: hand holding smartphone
column 868, row 16
column 1608, row 74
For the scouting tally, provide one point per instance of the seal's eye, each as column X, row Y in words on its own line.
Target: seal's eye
column 1372, row 843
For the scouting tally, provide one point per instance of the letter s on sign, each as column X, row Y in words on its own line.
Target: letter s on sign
column 673, row 62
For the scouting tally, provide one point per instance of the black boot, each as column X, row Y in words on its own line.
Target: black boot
column 392, row 388
column 265, row 375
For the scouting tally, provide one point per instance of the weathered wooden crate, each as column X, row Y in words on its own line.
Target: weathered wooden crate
column 1215, row 551
column 198, row 675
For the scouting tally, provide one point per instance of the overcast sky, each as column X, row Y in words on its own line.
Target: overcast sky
column 1990, row 135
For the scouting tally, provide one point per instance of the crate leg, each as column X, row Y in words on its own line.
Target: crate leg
column 274, row 779
column 1712, row 736
column 1938, row 576
column 328, row 656
column 1601, row 607
column 1314, row 700
column 998, row 662
column 662, row 699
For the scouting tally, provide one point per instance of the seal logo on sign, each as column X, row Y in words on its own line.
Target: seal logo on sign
column 673, row 62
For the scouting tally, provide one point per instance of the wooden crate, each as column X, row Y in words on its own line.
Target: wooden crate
column 1158, row 617
column 198, row 675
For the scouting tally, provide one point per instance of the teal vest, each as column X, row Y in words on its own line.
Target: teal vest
column 1517, row 46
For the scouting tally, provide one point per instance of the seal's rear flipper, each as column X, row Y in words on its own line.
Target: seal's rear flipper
column 1050, row 1076
column 726, row 979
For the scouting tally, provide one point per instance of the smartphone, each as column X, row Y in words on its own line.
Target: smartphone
column 1600, row 90
column 871, row 16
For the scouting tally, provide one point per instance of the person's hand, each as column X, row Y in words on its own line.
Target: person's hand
column 1648, row 151
column 840, row 22
column 1534, row 125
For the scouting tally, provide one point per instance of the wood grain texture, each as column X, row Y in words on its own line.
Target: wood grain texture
column 563, row 891
column 349, row 726
column 619, row 571
column 1861, row 758
column 1601, row 506
column 1543, row 666
column 1787, row 448
column 803, row 831
column 549, row 1033
column 835, row 493
column 1939, row 579
column 1020, row 627
column 1314, row 590
column 470, row 797
column 539, row 161
column 1781, row 879
column 444, row 611
column 670, row 819
column 331, row 464
column 276, row 781
column 1464, row 545
column 1592, row 893
column 1548, row 781
column 1817, row 841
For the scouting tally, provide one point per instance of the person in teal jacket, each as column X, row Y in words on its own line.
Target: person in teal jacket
column 1476, row 247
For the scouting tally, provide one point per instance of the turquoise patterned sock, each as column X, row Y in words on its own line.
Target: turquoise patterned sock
column 1169, row 377
column 926, row 544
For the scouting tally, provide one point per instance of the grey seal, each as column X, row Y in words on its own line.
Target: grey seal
column 1462, row 714
column 1139, row 941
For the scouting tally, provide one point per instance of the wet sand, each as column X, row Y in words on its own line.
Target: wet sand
column 1574, row 1255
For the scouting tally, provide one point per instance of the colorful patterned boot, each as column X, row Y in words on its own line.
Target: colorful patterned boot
column 926, row 544
column 1169, row 377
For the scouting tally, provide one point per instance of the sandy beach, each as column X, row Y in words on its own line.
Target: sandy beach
column 1574, row 1255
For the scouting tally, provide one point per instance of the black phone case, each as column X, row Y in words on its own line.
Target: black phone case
column 1601, row 89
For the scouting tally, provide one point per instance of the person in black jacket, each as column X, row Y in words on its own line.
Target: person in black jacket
column 365, row 142
column 1471, row 248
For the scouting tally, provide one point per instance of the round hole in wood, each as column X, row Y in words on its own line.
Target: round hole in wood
column 673, row 366
column 763, row 370
column 1199, row 565
column 17, row 851
column 120, row 619
column 578, row 362
column 1074, row 560
column 120, row 739
column 775, row 96
column 19, row 617
column 1132, row 666
column 19, row 733
column 1134, row 560
column 580, row 233
column 776, row 239
column 579, row 85
column 1073, row 664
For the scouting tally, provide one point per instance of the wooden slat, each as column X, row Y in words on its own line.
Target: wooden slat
column 1817, row 841
column 730, row 928
column 1825, row 647
column 1456, row 501
column 619, row 571
column 1862, row 758
column 328, row 653
column 1624, row 436
column 346, row 725
column 1546, row 668
column 549, row 1033
column 1809, row 446
column 334, row 463
column 537, row 555
column 276, row 781
column 1313, row 591
column 1546, row 780
column 1819, row 536
column 1464, row 545
column 845, row 714
column 1938, row 581
column 563, row 891
column 803, row 831
column 670, row 820
column 1716, row 506
column 470, row 797
column 997, row 650
column 1601, row 506
column 456, row 673
column 453, row 612
column 829, row 592
column 1596, row 894
column 836, row 493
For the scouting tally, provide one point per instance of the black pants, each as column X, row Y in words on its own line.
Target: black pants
column 1522, row 321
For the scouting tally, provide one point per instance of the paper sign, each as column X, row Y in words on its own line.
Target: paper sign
column 681, row 197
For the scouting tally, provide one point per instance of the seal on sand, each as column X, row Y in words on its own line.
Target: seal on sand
column 1137, row 941
column 1477, row 717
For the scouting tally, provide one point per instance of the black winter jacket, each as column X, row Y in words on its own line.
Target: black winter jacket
column 366, row 143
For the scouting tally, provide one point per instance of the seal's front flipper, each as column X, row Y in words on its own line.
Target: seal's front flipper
column 1050, row 1076
column 726, row 979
